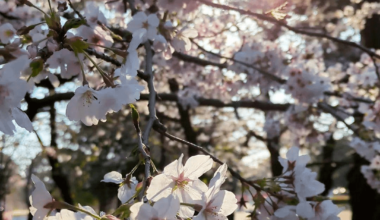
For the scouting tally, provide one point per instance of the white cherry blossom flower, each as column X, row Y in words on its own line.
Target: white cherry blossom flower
column 285, row 213
column 306, row 185
column 39, row 198
column 7, row 32
column 293, row 161
column 132, row 62
column 375, row 163
column 181, row 181
column 65, row 214
column 217, row 204
column 12, row 91
column 93, row 14
column 66, row 62
column 148, row 23
column 126, row 190
column 164, row 209
column 326, row 210
column 95, row 35
column 181, row 41
column 85, row 105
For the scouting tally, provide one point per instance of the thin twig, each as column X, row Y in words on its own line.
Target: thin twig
column 294, row 29
column 76, row 11
column 199, row 148
column 327, row 108
column 376, row 68
column 261, row 71
column 152, row 92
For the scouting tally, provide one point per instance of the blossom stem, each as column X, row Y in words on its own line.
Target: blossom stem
column 81, row 68
column 134, row 168
column 97, row 45
column 152, row 92
column 106, row 78
column 33, row 6
column 87, row 212
column 36, row 43
column 51, row 10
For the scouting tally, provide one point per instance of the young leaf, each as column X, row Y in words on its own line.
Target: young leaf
column 36, row 66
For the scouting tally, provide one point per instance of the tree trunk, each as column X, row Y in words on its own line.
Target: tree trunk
column 370, row 35
column 60, row 179
column 326, row 171
column 190, row 134
column 275, row 165
column 364, row 201
column 2, row 209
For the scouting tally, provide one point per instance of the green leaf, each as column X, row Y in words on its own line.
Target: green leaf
column 78, row 45
column 54, row 21
column 135, row 113
column 37, row 66
column 73, row 23
column 135, row 117
column 275, row 187
column 262, row 182
column 25, row 29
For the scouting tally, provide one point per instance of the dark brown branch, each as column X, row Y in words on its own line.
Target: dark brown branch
column 115, row 62
column 103, row 56
column 264, row 106
column 47, row 84
column 258, row 137
column 35, row 104
column 198, row 61
column 7, row 16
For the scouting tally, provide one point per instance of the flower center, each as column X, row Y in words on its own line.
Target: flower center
column 145, row 25
column 4, row 93
column 181, row 181
column 9, row 33
column 88, row 97
column 211, row 210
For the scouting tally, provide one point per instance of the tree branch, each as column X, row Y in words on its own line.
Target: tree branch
column 294, row 29
column 201, row 149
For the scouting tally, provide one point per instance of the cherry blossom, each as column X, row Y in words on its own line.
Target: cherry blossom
column 181, row 41
column 93, row 15
column 86, row 105
column 39, row 198
column 293, row 161
column 147, row 24
column 66, row 62
column 12, row 91
column 181, row 181
column 95, row 35
column 164, row 208
column 127, row 187
column 7, row 32
column 216, row 203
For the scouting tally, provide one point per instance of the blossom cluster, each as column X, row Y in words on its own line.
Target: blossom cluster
column 371, row 152
column 175, row 193
column 178, row 193
column 296, row 191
